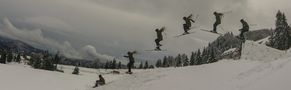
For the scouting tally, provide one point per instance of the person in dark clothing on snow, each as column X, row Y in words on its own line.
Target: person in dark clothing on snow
column 218, row 17
column 159, row 37
column 101, row 81
column 131, row 61
column 187, row 24
column 245, row 28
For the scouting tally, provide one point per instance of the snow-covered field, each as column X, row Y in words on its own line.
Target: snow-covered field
column 250, row 74
column 21, row 77
column 224, row 75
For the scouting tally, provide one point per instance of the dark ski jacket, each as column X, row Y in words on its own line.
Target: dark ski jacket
column 159, row 33
column 130, row 57
column 101, row 80
column 188, row 20
column 245, row 25
column 218, row 17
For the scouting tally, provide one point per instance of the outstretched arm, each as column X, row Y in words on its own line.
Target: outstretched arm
column 162, row 29
column 134, row 52
column 190, row 16
column 220, row 14
column 192, row 20
column 126, row 56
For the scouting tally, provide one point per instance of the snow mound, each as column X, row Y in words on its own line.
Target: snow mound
column 229, row 51
column 254, row 51
column 233, row 53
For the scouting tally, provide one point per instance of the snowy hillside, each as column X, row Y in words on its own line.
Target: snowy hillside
column 249, row 73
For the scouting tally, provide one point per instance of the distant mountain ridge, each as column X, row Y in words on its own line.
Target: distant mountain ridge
column 17, row 45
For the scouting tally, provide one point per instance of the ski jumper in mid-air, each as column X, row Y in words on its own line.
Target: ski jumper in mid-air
column 218, row 17
column 187, row 25
column 159, row 37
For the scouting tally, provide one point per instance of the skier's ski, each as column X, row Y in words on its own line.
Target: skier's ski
column 155, row 50
column 183, row 34
column 128, row 72
column 210, row 31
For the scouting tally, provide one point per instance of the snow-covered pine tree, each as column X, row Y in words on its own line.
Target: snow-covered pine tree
column 198, row 57
column 110, row 64
column 140, row 65
column 47, row 63
column 106, row 66
column 185, row 60
column 119, row 65
column 146, row 65
column 36, row 61
column 3, row 57
column 212, row 57
column 56, row 60
column 178, row 60
column 204, row 56
column 165, row 61
column 18, row 58
column 9, row 57
column 208, row 54
column 113, row 64
column 192, row 58
column 158, row 63
column 171, row 61
column 280, row 39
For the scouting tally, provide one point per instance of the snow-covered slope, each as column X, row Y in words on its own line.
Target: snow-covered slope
column 255, row 51
column 260, row 69
column 22, row 77
column 273, row 75
column 223, row 75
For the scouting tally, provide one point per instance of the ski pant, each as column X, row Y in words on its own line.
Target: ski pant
column 215, row 25
column 129, row 66
column 98, row 83
column 242, row 33
column 158, row 40
column 186, row 28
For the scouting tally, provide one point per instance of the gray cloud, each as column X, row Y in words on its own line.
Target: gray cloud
column 36, row 38
column 90, row 52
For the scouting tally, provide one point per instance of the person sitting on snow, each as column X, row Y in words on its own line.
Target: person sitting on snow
column 245, row 28
column 101, row 81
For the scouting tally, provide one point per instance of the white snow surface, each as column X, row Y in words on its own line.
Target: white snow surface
column 258, row 72
column 255, row 51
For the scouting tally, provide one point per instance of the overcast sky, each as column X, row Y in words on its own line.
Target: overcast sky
column 112, row 27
